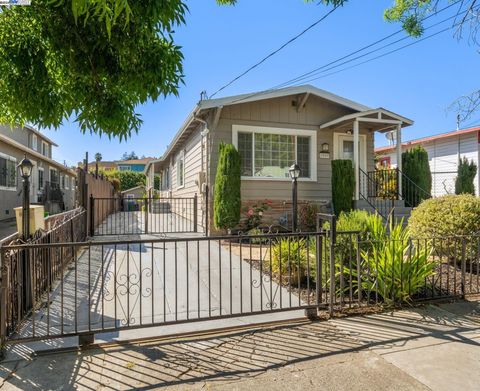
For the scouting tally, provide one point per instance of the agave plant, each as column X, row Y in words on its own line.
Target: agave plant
column 394, row 268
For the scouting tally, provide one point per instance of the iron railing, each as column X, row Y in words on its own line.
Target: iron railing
column 412, row 193
column 27, row 274
column 126, row 284
column 143, row 215
column 379, row 190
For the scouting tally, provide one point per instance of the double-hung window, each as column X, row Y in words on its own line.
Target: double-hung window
column 34, row 142
column 8, row 172
column 40, row 178
column 181, row 171
column 268, row 153
column 45, row 149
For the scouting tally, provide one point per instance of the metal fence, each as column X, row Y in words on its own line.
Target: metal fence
column 140, row 215
column 127, row 284
column 27, row 274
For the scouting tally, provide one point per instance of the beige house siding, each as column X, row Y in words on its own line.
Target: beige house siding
column 281, row 113
column 191, row 151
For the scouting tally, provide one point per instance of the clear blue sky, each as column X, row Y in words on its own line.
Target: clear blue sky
column 220, row 42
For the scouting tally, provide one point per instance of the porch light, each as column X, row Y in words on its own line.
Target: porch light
column 349, row 132
column 25, row 167
column 294, row 171
column 325, row 147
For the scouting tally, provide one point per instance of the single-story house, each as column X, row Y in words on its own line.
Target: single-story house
column 272, row 130
column 444, row 152
column 135, row 165
column 52, row 184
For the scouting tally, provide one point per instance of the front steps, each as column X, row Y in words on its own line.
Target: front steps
column 400, row 211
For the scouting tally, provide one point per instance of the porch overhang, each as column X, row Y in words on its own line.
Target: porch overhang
column 374, row 120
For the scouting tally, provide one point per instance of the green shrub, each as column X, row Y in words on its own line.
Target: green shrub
column 393, row 268
column 227, row 202
column 450, row 215
column 127, row 179
column 293, row 261
column 416, row 167
column 307, row 217
column 343, row 185
column 464, row 183
column 446, row 219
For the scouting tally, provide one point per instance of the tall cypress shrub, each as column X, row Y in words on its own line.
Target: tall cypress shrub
column 227, row 201
column 343, row 185
column 416, row 167
column 464, row 183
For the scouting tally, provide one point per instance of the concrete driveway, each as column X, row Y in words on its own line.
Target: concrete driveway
column 434, row 347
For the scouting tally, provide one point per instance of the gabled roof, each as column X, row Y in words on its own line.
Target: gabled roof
column 41, row 135
column 378, row 116
column 270, row 94
column 440, row 136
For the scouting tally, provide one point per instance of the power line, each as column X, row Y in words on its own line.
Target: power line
column 292, row 81
column 274, row 52
column 298, row 78
column 314, row 71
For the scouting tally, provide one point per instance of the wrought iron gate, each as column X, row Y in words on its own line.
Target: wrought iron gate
column 143, row 215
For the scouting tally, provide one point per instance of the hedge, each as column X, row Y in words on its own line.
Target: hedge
column 415, row 166
column 464, row 183
column 227, row 201
column 343, row 185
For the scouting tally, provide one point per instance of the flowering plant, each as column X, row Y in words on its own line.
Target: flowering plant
column 254, row 213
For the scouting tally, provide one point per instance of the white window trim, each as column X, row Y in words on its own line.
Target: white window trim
column 12, row 159
column 283, row 131
column 363, row 145
column 181, row 157
column 43, row 182
column 67, row 182
column 34, row 142
column 50, row 175
column 47, row 149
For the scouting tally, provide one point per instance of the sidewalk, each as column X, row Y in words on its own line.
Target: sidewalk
column 432, row 347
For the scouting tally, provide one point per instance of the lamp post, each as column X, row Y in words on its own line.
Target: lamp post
column 294, row 174
column 25, row 167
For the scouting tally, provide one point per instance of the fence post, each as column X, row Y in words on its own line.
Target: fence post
column 92, row 215
column 333, row 239
column 207, row 208
column 146, row 200
column 3, row 302
column 463, row 267
column 195, row 213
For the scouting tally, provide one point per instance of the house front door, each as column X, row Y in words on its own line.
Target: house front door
column 344, row 148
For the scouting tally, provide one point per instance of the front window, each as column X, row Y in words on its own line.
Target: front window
column 268, row 154
column 8, row 172
column 40, row 179
column 53, row 176
column 124, row 168
column 45, row 149
column 34, row 142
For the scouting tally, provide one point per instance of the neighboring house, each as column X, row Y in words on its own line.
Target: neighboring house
column 51, row 183
column 135, row 165
column 134, row 192
column 444, row 152
column 272, row 130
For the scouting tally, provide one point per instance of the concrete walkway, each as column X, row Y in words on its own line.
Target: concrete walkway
column 435, row 347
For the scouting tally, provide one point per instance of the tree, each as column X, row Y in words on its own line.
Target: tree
column 129, row 156
column 98, row 157
column 417, row 186
column 343, row 185
column 226, row 199
column 464, row 183
column 68, row 60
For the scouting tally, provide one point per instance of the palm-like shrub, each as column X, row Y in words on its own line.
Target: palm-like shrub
column 294, row 260
column 394, row 268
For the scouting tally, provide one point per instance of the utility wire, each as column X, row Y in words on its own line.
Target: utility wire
column 289, row 83
column 274, row 52
column 314, row 71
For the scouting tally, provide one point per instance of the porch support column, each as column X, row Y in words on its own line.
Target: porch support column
column 399, row 158
column 356, row 157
